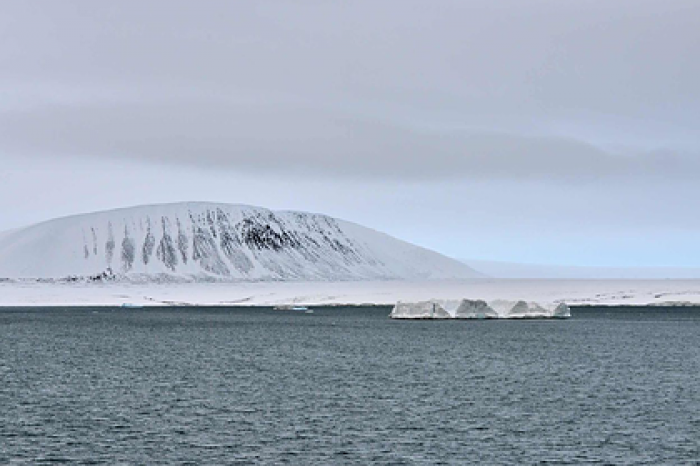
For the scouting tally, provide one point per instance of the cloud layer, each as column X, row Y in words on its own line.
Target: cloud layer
column 461, row 87
column 581, row 116
column 304, row 142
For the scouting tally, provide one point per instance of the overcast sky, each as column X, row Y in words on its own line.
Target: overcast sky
column 563, row 132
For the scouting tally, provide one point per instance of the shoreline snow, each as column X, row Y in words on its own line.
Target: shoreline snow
column 385, row 293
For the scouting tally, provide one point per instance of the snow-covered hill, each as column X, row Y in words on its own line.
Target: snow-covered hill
column 205, row 241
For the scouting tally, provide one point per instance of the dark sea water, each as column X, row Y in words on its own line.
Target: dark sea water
column 347, row 386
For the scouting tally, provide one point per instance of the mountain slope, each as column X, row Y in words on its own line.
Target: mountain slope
column 205, row 241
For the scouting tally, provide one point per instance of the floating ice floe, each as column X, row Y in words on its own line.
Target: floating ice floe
column 478, row 309
column 419, row 310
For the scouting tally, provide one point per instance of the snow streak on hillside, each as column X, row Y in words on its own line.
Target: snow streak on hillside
column 205, row 241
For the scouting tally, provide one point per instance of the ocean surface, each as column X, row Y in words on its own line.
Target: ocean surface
column 347, row 386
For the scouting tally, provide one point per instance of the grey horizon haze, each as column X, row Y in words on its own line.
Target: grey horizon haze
column 534, row 131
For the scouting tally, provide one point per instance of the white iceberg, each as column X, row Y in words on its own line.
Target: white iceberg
column 479, row 309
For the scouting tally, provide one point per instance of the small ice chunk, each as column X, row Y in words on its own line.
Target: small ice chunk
column 562, row 311
column 420, row 310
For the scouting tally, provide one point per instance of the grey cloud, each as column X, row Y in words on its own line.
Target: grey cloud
column 459, row 88
column 494, row 63
column 283, row 139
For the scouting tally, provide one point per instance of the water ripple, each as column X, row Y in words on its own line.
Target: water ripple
column 206, row 386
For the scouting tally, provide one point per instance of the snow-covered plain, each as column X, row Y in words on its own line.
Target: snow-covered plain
column 571, row 292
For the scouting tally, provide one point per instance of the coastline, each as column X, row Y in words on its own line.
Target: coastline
column 575, row 293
